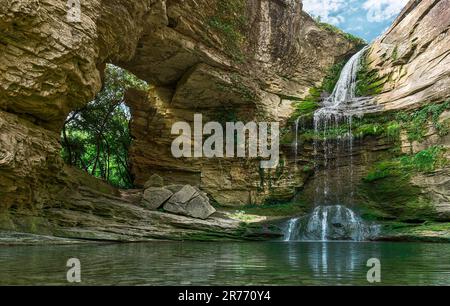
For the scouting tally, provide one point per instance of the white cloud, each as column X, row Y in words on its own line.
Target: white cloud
column 325, row 9
column 381, row 10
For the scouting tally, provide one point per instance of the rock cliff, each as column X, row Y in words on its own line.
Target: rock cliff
column 252, row 57
column 413, row 56
column 226, row 59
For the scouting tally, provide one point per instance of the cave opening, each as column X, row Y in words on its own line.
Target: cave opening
column 96, row 138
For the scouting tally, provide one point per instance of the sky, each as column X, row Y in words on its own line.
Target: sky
column 364, row 18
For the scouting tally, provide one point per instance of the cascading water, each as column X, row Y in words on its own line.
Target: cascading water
column 343, row 103
column 328, row 221
column 291, row 229
column 338, row 110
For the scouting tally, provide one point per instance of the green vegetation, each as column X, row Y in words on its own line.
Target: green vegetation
column 230, row 21
column 333, row 29
column 388, row 125
column 96, row 138
column 415, row 122
column 244, row 217
column 367, row 126
column 426, row 231
column 388, row 192
column 424, row 161
column 368, row 81
column 393, row 130
column 394, row 55
column 307, row 106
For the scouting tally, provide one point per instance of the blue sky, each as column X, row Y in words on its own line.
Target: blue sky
column 365, row 18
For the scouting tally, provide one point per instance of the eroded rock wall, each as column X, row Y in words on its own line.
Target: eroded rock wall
column 414, row 56
column 50, row 65
column 280, row 53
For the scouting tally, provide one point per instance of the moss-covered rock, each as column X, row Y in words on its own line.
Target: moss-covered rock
column 425, row 232
column 369, row 83
column 389, row 192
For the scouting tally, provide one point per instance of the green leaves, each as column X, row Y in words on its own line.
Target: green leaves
column 369, row 82
column 424, row 161
column 415, row 123
column 96, row 138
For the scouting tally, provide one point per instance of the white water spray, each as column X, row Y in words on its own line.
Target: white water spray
column 335, row 222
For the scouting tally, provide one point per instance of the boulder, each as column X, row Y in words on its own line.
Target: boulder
column 174, row 187
column 154, row 181
column 191, row 202
column 184, row 195
column 199, row 207
column 155, row 197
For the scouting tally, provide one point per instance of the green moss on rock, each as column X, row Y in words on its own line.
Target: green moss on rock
column 415, row 122
column 369, row 83
column 425, row 232
column 389, row 193
column 230, row 21
column 276, row 210
column 306, row 107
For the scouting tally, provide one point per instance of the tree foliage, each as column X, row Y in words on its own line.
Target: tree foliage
column 96, row 137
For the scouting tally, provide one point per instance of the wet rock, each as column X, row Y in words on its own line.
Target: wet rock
column 191, row 202
column 155, row 197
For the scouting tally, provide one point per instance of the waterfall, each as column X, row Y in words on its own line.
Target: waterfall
column 337, row 109
column 343, row 103
column 290, row 230
column 334, row 222
column 297, row 122
column 329, row 221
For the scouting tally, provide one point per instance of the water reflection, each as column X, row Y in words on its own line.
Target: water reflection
column 171, row 263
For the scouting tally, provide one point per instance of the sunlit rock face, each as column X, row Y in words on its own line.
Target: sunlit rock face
column 413, row 55
column 282, row 54
column 51, row 65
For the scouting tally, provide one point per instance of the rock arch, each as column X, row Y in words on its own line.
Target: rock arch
column 50, row 66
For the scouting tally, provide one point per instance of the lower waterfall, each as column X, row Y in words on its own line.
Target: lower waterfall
column 330, row 223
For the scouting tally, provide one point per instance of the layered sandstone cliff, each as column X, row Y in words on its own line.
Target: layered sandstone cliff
column 228, row 60
column 414, row 55
column 414, row 58
column 253, row 57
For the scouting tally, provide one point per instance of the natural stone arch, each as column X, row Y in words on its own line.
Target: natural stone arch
column 50, row 66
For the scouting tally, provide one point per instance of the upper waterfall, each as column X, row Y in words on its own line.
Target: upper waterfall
column 343, row 101
column 345, row 89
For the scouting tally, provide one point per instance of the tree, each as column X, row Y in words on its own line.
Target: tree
column 96, row 137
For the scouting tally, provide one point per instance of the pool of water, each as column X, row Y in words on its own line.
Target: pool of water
column 259, row 263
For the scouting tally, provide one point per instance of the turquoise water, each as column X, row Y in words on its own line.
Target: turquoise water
column 259, row 263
